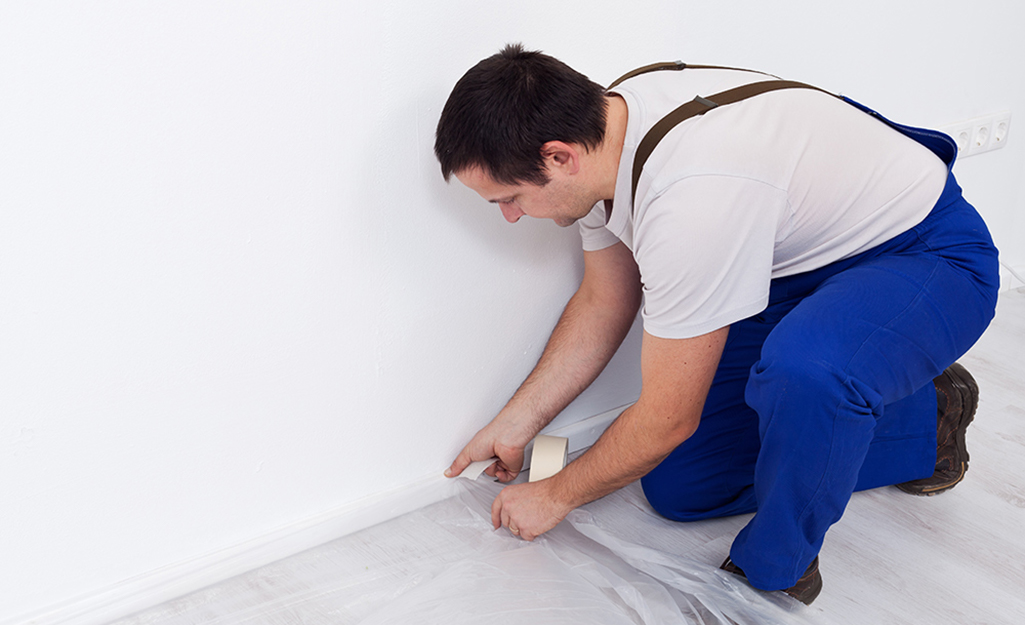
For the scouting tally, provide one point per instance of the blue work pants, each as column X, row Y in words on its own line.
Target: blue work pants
column 829, row 390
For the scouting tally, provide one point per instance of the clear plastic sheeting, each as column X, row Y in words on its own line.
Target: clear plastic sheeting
column 612, row 562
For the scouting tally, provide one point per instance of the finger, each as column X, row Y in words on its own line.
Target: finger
column 502, row 472
column 459, row 465
column 499, row 468
column 506, row 475
column 496, row 513
column 492, row 470
column 512, row 459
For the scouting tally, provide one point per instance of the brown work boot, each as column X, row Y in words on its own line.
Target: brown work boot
column 806, row 588
column 957, row 396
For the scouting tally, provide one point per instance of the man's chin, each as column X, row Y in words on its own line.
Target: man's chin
column 564, row 223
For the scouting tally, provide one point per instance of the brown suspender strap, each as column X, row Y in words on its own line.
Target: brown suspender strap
column 654, row 67
column 675, row 66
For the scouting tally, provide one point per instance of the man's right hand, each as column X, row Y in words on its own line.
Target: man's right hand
column 491, row 442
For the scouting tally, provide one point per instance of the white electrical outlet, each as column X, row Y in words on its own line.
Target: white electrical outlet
column 1001, row 127
column 981, row 134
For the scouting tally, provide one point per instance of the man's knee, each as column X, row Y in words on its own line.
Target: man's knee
column 797, row 386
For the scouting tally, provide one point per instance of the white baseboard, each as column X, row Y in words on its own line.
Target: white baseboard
column 179, row 579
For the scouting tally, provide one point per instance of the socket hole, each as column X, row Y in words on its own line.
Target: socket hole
column 981, row 137
column 962, row 140
column 1000, row 132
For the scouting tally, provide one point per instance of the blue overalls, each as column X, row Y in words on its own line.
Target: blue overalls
column 829, row 389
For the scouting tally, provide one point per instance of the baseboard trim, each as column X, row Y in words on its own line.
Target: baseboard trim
column 179, row 579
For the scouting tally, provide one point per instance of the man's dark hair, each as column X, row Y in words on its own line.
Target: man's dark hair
column 508, row 106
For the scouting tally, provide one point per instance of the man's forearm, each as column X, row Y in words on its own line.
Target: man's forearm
column 583, row 342
column 628, row 450
column 649, row 430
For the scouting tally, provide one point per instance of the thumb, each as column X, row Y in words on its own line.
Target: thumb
column 459, row 465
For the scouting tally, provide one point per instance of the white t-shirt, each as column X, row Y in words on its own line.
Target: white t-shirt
column 778, row 184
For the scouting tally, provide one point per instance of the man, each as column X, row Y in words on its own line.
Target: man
column 806, row 268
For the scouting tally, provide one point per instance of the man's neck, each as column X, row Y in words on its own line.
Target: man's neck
column 612, row 146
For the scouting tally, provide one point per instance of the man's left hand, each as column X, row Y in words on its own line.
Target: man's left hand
column 528, row 510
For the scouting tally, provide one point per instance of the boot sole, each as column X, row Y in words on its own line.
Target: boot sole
column 965, row 386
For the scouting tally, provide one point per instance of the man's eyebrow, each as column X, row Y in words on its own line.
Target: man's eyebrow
column 505, row 200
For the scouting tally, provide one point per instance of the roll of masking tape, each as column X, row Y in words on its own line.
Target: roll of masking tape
column 548, row 457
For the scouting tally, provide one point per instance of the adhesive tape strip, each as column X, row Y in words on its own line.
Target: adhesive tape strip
column 473, row 471
column 548, row 457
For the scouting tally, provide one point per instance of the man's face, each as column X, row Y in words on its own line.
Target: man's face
column 558, row 200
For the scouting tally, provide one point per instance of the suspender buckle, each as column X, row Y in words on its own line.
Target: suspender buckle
column 705, row 102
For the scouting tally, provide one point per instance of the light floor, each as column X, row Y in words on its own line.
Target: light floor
column 957, row 558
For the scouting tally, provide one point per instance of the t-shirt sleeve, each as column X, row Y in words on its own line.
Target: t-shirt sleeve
column 704, row 245
column 593, row 233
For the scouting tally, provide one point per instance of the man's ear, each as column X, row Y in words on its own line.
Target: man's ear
column 561, row 156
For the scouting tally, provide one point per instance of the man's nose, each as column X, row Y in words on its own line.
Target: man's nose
column 511, row 213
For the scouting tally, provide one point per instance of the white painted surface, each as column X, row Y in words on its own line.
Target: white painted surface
column 232, row 278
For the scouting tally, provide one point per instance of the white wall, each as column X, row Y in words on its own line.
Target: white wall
column 232, row 281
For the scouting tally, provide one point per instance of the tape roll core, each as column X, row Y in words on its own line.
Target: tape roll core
column 548, row 457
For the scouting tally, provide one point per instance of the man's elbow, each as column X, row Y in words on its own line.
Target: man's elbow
column 678, row 428
column 610, row 305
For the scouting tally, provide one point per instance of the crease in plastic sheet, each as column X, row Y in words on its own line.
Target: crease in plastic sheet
column 444, row 564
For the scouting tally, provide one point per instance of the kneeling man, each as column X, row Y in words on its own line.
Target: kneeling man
column 809, row 274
